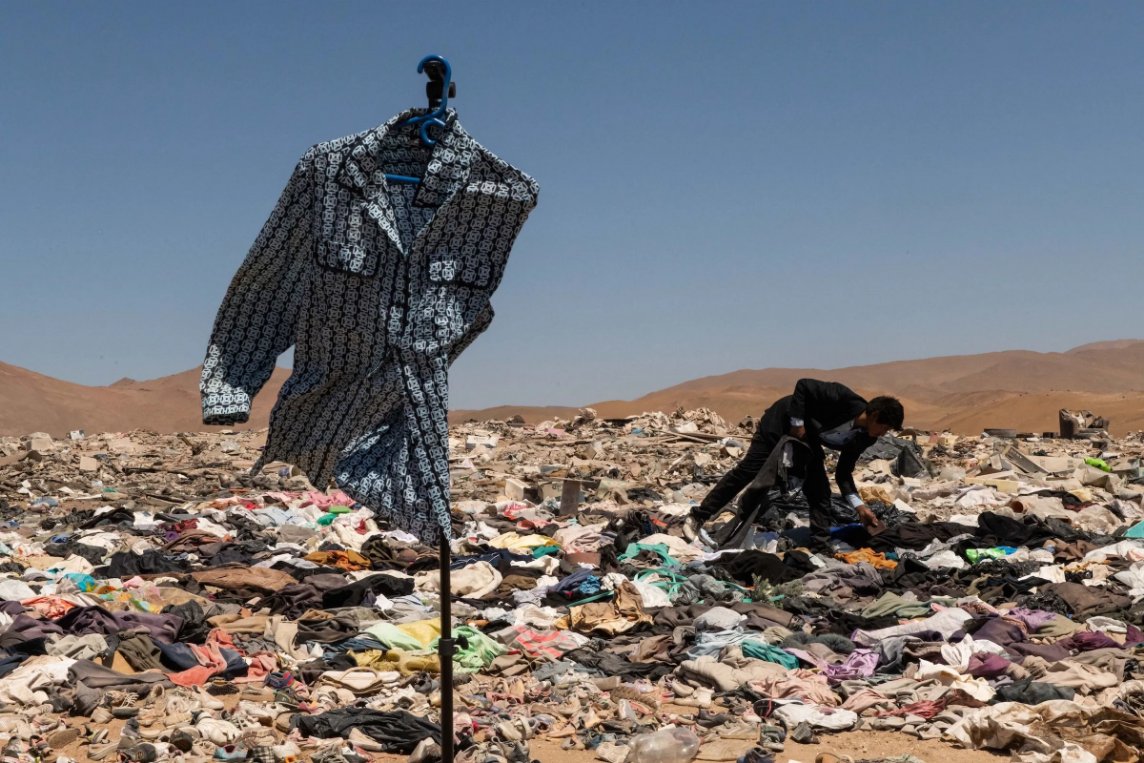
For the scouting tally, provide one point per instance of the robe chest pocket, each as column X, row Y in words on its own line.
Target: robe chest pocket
column 461, row 272
column 350, row 257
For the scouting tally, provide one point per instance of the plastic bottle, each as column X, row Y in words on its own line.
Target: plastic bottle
column 677, row 745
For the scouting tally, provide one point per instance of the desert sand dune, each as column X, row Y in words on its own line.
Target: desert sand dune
column 964, row 393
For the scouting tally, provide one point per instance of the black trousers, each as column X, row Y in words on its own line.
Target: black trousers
column 811, row 462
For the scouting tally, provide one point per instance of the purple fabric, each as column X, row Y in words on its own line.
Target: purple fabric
column 861, row 663
column 82, row 620
column 1134, row 635
column 1034, row 618
column 986, row 665
column 24, row 628
column 1086, row 641
column 1001, row 631
column 12, row 607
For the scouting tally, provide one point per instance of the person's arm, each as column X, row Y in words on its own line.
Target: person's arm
column 844, row 476
column 804, row 389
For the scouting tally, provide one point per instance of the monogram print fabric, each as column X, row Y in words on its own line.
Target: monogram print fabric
column 379, row 287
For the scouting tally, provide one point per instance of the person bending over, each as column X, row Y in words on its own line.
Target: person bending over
column 821, row 414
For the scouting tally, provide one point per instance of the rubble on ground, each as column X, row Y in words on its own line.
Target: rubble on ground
column 158, row 601
column 1082, row 425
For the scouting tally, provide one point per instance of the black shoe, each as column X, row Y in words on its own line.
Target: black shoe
column 710, row 720
column 819, row 545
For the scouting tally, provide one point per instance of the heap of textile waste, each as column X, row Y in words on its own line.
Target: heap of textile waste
column 157, row 601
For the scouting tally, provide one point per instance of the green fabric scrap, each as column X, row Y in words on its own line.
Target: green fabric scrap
column 393, row 637
column 760, row 651
column 479, row 650
column 660, row 549
column 894, row 604
column 977, row 554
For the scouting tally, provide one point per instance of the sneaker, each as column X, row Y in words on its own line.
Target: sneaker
column 221, row 733
column 287, row 752
column 207, row 701
column 182, row 740
column 123, row 704
column 692, row 527
column 709, row 720
column 230, row 752
column 101, row 750
column 13, row 751
column 427, row 751
column 771, row 738
column 137, row 753
column 757, row 755
column 703, row 697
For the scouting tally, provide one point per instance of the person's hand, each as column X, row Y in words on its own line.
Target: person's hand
column 799, row 432
column 870, row 519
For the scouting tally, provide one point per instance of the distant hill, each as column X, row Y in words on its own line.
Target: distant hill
column 31, row 402
column 966, row 393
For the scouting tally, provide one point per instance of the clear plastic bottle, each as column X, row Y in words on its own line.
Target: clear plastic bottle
column 676, row 745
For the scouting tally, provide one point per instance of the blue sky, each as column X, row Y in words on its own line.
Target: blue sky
column 723, row 185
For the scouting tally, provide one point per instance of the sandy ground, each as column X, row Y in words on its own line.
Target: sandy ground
column 858, row 745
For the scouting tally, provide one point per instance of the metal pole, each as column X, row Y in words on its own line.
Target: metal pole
column 445, row 649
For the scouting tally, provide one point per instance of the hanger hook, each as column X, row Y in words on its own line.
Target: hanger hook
column 438, row 69
column 434, row 74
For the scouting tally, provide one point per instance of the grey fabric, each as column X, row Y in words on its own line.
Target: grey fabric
column 718, row 619
column 907, row 457
column 95, row 676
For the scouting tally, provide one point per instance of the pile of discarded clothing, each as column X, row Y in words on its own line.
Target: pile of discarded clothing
column 158, row 602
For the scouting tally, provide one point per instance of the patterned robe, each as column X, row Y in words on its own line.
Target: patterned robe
column 379, row 287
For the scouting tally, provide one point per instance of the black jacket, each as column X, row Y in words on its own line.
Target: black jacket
column 822, row 406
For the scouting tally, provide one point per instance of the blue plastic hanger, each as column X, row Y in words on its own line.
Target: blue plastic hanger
column 440, row 76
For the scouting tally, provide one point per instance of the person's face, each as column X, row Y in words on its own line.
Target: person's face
column 874, row 427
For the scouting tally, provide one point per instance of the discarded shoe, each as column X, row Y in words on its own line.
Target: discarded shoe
column 221, row 733
column 710, row 720
column 101, row 750
column 803, row 733
column 287, row 753
column 693, row 531
column 138, row 753
column 13, row 752
column 182, row 740
column 703, row 697
column 230, row 752
column 772, row 737
column 756, row 755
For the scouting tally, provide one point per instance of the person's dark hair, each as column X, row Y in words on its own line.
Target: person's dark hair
column 887, row 410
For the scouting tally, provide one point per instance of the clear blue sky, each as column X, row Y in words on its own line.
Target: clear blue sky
column 723, row 185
